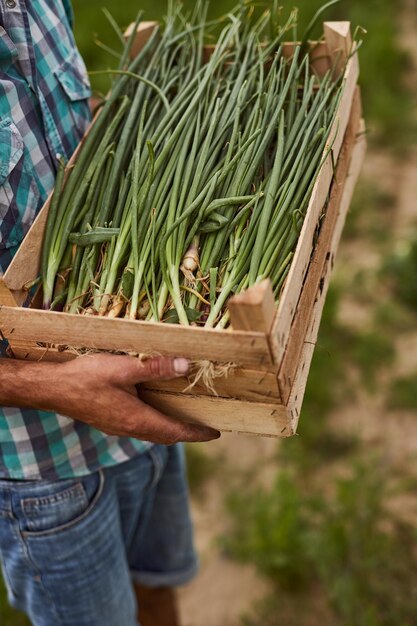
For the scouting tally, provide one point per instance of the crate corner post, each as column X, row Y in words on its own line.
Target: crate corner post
column 253, row 309
column 6, row 295
column 143, row 33
column 338, row 37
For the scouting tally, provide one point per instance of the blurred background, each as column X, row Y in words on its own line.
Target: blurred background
column 321, row 530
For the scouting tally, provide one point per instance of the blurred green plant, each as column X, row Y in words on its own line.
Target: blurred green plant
column 8, row 616
column 392, row 317
column 401, row 269
column 200, row 467
column 284, row 610
column 271, row 530
column 403, row 393
column 371, row 351
column 344, row 538
column 370, row 213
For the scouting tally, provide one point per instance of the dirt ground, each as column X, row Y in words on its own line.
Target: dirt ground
column 225, row 590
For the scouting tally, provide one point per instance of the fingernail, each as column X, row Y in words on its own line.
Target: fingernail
column 214, row 434
column 181, row 366
column 209, row 433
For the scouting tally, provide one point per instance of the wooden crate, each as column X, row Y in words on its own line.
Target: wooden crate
column 270, row 346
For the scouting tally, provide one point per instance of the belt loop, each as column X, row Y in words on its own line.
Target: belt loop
column 158, row 464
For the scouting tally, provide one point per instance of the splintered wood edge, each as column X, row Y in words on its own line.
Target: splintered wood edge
column 292, row 290
column 322, row 256
column 298, row 390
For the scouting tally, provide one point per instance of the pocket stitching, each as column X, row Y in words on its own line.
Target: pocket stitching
column 74, row 522
column 71, row 493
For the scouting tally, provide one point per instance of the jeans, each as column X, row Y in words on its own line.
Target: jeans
column 71, row 548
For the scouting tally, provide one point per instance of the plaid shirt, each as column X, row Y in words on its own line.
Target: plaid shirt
column 44, row 111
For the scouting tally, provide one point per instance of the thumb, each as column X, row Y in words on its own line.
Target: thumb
column 159, row 368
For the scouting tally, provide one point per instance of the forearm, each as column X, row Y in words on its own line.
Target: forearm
column 100, row 390
column 24, row 384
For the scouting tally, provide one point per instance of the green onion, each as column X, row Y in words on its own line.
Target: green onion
column 195, row 178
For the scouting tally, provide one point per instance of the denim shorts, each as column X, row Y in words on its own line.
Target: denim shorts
column 70, row 548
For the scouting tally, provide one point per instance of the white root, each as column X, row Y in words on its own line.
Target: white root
column 104, row 304
column 117, row 307
column 191, row 262
column 144, row 309
column 207, row 372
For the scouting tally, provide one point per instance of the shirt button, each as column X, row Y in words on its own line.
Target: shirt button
column 10, row 4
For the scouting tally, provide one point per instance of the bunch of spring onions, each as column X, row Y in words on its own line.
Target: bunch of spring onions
column 193, row 183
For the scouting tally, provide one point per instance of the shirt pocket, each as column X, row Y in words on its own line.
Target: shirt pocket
column 72, row 76
column 19, row 193
column 72, row 114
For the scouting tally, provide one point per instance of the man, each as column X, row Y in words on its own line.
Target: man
column 90, row 499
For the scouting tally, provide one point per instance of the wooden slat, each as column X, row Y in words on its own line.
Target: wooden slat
column 242, row 384
column 254, row 308
column 29, row 351
column 225, row 415
column 245, row 384
column 298, row 390
column 320, row 260
column 242, row 348
column 292, row 290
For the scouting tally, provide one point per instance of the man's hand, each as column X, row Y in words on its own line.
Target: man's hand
column 100, row 391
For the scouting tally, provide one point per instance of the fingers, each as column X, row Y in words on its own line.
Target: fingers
column 160, row 368
column 144, row 422
column 127, row 371
column 100, row 391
